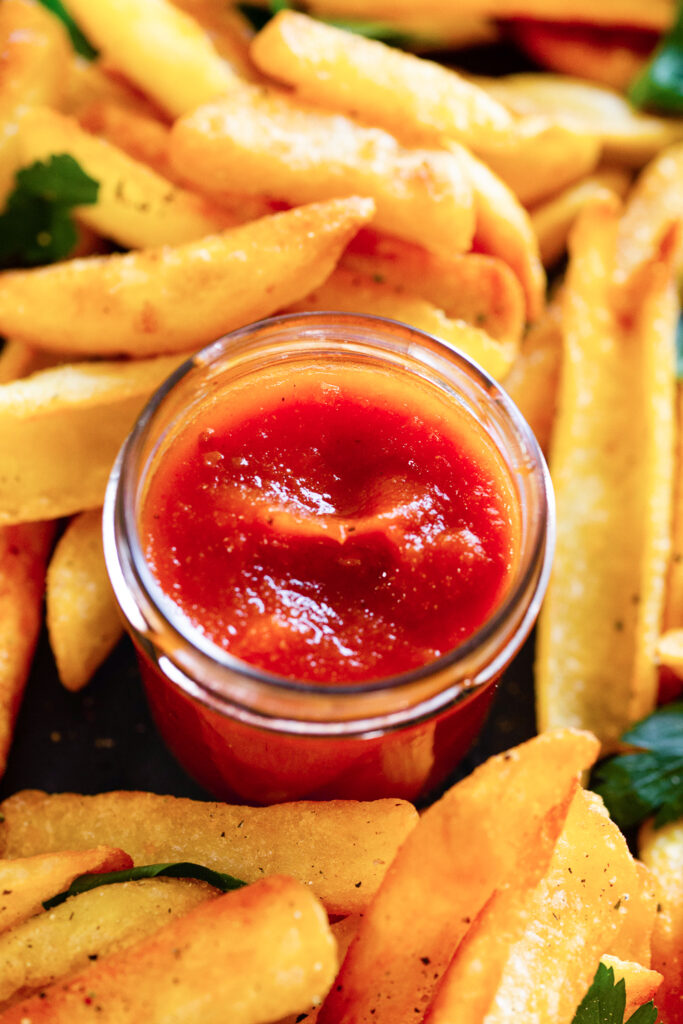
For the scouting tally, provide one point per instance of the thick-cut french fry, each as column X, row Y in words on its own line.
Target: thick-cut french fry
column 24, row 552
column 309, row 841
column 172, row 299
column 344, row 932
column 135, row 206
column 252, row 955
column 671, row 648
column 34, row 59
column 503, row 229
column 662, row 851
column 409, row 96
column 641, row 983
column 670, row 651
column 524, row 934
column 612, row 464
column 229, row 30
column 82, row 616
column 28, row 881
column 351, row 292
column 90, row 81
column 498, row 823
column 72, row 419
column 627, row 135
column 88, row 926
column 635, row 935
column 553, row 219
column 658, row 14
column 160, row 48
column 264, row 141
column 534, row 378
column 19, row 360
column 481, row 290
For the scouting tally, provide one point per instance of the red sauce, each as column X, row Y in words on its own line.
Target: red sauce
column 336, row 526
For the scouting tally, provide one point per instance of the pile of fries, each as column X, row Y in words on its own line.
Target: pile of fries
column 305, row 167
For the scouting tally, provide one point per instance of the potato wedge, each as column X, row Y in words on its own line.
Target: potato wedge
column 24, row 551
column 481, row 290
column 160, row 48
column 510, row 810
column 82, row 615
column 641, row 983
column 173, row 299
column 309, row 841
column 411, row 97
column 135, row 206
column 611, row 460
column 352, row 292
column 72, row 419
column 264, row 141
column 28, row 881
column 210, row 962
column 556, row 931
column 86, row 927
column 662, row 852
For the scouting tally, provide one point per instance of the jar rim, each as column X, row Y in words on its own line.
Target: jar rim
column 152, row 613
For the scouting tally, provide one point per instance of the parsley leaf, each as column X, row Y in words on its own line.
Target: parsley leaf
column 78, row 40
column 183, row 869
column 649, row 781
column 660, row 85
column 605, row 1002
column 36, row 225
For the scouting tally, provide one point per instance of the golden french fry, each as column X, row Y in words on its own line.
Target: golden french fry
column 658, row 14
column 409, row 96
column 176, row 298
column 503, row 229
column 72, row 419
column 19, row 360
column 88, row 926
column 352, row 292
column 634, row 939
column 160, row 48
column 28, row 881
column 670, row 651
column 212, row 961
column 511, row 810
column 612, row 464
column 641, row 983
column 90, row 82
column 662, row 851
column 24, row 551
column 82, row 616
column 135, row 206
column 673, row 610
column 263, row 141
column 229, row 30
column 533, row 381
column 308, row 841
column 481, row 290
column 344, row 932
column 553, row 219
column 524, row 934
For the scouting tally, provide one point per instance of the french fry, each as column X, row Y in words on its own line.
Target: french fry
column 309, row 841
column 24, row 552
column 669, row 646
column 19, row 360
column 533, row 381
column 612, row 464
column 481, row 290
column 510, row 810
column 641, row 983
column 135, row 206
column 160, row 48
column 552, row 220
column 525, row 934
column 176, row 298
column 86, row 927
column 662, row 852
column 634, row 940
column 263, row 141
column 503, row 229
column 90, row 82
column 82, row 616
column 229, row 30
column 72, row 419
column 213, row 960
column 409, row 96
column 344, row 932
column 670, row 651
column 351, row 292
column 27, row 882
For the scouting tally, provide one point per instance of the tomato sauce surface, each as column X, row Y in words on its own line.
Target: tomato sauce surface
column 335, row 528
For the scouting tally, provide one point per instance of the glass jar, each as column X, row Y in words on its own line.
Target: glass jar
column 253, row 737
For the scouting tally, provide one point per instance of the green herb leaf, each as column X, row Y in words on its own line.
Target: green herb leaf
column 649, row 781
column 183, row 869
column 78, row 40
column 660, row 85
column 36, row 225
column 605, row 1002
